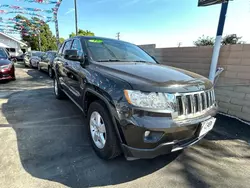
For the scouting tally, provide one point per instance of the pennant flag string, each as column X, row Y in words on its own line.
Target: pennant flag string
column 15, row 20
column 42, row 1
column 53, row 10
column 29, row 27
column 21, row 12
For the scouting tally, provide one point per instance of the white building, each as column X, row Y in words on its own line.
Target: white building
column 13, row 45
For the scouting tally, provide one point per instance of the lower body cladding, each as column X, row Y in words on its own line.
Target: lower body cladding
column 148, row 135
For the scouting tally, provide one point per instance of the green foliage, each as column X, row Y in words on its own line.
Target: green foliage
column 204, row 41
column 48, row 40
column 231, row 39
column 209, row 41
column 82, row 33
column 72, row 35
column 61, row 40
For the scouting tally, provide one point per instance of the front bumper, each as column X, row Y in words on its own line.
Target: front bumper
column 168, row 135
column 165, row 148
column 6, row 75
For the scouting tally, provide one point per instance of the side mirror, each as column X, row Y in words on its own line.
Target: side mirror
column 73, row 55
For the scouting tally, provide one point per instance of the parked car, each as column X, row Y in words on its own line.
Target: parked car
column 32, row 58
column 133, row 104
column 46, row 63
column 36, row 58
column 20, row 57
column 7, row 68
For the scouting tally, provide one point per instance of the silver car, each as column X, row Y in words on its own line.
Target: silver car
column 32, row 58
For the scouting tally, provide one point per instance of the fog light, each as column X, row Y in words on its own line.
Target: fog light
column 147, row 133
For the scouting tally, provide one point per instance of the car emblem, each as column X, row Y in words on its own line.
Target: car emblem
column 199, row 87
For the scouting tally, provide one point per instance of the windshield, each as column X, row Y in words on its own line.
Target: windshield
column 3, row 53
column 51, row 54
column 112, row 50
column 38, row 54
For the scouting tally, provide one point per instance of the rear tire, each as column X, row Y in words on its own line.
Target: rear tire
column 50, row 71
column 58, row 91
column 109, row 148
column 38, row 67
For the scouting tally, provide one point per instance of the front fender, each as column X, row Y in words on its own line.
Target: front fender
column 110, row 106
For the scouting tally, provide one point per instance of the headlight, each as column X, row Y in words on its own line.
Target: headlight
column 6, row 66
column 160, row 101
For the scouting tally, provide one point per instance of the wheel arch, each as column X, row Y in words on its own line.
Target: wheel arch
column 51, row 66
column 90, row 96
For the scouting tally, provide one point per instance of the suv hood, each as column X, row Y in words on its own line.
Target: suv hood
column 155, row 77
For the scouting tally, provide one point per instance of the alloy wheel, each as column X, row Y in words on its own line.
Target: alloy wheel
column 97, row 129
column 56, row 87
column 50, row 72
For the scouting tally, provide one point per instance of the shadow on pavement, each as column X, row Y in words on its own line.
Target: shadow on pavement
column 32, row 79
column 53, row 143
column 229, row 128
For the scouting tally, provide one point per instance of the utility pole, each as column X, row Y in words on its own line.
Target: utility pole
column 57, row 32
column 76, row 18
column 217, row 45
column 39, row 40
column 118, row 36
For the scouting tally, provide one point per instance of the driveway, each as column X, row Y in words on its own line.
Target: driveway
column 44, row 144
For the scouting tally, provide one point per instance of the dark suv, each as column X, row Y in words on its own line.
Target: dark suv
column 133, row 104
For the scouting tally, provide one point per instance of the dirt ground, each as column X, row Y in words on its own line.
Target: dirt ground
column 44, row 144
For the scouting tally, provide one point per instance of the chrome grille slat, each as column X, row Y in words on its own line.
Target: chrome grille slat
column 199, row 103
column 192, row 103
column 184, row 107
column 209, row 98
column 205, row 100
column 213, row 96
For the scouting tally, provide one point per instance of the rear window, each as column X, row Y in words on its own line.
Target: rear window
column 39, row 54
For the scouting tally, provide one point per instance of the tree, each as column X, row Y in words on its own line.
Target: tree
column 48, row 40
column 231, row 39
column 72, row 35
column 61, row 40
column 204, row 41
column 82, row 33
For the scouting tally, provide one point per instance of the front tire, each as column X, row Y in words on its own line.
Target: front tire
column 101, row 131
column 58, row 91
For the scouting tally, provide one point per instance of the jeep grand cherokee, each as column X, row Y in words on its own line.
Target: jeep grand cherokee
column 133, row 104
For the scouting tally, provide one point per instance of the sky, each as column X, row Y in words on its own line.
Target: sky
column 162, row 22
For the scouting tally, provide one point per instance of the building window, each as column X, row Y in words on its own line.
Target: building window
column 11, row 49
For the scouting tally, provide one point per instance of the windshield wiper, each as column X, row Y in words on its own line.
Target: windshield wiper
column 141, row 61
column 108, row 60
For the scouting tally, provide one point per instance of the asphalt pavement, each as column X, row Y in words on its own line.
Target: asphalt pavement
column 44, row 144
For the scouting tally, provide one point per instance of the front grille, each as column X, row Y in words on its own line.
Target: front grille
column 191, row 103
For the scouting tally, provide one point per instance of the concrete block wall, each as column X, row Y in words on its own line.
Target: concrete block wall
column 233, row 87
